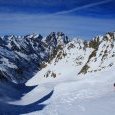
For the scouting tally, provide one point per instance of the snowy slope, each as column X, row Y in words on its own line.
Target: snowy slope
column 79, row 76
column 89, row 94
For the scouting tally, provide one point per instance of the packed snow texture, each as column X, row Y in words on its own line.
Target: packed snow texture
column 92, row 93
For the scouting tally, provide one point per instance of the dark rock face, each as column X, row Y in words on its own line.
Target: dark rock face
column 22, row 56
column 53, row 40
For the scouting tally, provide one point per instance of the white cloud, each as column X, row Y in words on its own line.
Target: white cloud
column 72, row 25
column 84, row 7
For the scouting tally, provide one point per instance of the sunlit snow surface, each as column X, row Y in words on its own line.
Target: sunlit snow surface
column 73, row 94
column 91, row 94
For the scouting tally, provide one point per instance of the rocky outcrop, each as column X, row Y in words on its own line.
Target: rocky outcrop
column 103, row 54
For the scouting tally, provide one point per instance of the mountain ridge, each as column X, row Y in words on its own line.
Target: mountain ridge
column 20, row 54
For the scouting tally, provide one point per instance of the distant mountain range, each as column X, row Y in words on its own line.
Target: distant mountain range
column 21, row 57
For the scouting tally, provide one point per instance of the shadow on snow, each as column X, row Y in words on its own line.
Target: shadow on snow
column 11, row 92
column 8, row 109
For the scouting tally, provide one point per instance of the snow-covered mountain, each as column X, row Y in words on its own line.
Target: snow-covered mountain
column 80, row 57
column 22, row 56
column 69, row 76
column 81, row 77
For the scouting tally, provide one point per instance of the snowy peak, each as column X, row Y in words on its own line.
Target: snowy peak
column 81, row 57
column 55, row 42
column 56, row 39
column 103, row 55
column 22, row 56
column 34, row 37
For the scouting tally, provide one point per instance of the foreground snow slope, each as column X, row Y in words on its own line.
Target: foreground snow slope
column 91, row 94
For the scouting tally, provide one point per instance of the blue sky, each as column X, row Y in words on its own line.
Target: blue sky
column 79, row 18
